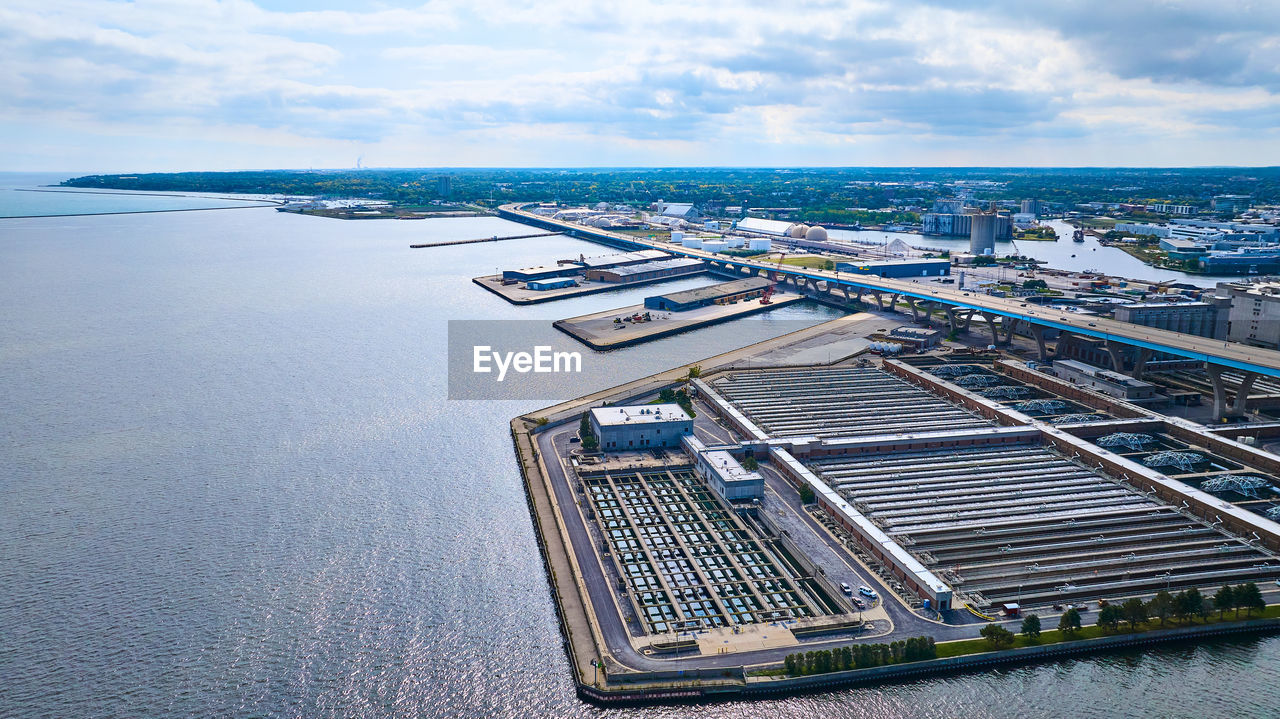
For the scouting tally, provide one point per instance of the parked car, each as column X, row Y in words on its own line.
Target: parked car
column 859, row 603
column 867, row 591
column 844, row 587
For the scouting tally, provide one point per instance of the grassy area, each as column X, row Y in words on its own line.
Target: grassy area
column 810, row 262
column 1097, row 223
column 1053, row 636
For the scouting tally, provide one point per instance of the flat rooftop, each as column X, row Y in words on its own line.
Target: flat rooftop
column 640, row 414
column 723, row 289
column 601, row 261
column 654, row 266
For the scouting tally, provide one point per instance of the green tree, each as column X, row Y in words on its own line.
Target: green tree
column 1109, row 617
column 1134, row 611
column 1188, row 604
column 997, row 636
column 1224, row 600
column 751, row 464
column 1031, row 626
column 1161, row 606
column 789, row 664
column 1069, row 623
column 1035, row 285
column 588, row 437
column 846, row 658
column 667, row 395
column 806, row 494
column 1249, row 598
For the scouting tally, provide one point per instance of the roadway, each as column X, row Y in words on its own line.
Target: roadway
column 1227, row 354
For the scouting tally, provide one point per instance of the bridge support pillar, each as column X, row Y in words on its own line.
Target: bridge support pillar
column 1140, row 366
column 1008, row 324
column 1240, row 403
column 879, row 301
column 968, row 318
column 991, row 323
column 893, row 302
column 953, row 319
column 915, row 312
column 1037, row 332
column 1115, row 349
column 845, row 290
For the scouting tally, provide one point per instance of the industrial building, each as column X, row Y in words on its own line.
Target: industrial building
column 918, row 338
column 776, row 228
column 1254, row 318
column 542, row 272
column 722, row 293
column 646, row 271
column 1103, row 380
column 622, row 259
column 553, row 283
column 723, row 472
column 898, row 268
column 1203, row 319
column 629, row 428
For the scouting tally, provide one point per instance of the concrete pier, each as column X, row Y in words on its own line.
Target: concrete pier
column 599, row 331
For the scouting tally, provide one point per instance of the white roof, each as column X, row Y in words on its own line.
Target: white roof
column 768, row 227
column 641, row 414
column 723, row 464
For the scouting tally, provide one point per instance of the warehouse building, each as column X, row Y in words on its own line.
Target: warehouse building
column 622, row 259
column 1103, row 380
column 898, row 268
column 646, row 271
column 652, row 425
column 553, row 283
column 542, row 272
column 722, row 293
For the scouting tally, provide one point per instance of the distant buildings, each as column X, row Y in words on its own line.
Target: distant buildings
column 1230, row 203
column 1168, row 209
column 444, row 186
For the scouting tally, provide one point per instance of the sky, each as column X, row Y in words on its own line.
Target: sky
column 164, row 85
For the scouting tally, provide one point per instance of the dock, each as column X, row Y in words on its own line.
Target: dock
column 495, row 238
column 599, row 331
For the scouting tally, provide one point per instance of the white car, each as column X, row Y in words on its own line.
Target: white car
column 867, row 591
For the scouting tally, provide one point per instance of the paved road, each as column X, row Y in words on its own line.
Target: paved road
column 1231, row 354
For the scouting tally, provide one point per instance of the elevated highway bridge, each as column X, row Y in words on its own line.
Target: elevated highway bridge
column 960, row 307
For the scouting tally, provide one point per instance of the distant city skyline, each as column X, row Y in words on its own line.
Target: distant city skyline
column 164, row 85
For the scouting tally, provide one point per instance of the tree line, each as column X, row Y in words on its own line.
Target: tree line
column 860, row 656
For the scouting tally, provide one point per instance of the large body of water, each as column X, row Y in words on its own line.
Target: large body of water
column 233, row 486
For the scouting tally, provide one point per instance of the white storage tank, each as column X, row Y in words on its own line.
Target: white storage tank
column 677, row 236
column 760, row 243
column 714, row 245
column 733, row 241
column 693, row 243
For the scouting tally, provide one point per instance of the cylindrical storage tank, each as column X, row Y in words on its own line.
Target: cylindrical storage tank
column 694, row 243
column 733, row 241
column 982, row 234
column 797, row 231
column 677, row 236
column 816, row 234
column 714, row 245
column 760, row 243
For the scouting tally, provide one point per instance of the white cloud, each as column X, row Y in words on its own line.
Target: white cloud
column 718, row 82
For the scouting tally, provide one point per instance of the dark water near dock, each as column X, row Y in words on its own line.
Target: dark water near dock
column 233, row 486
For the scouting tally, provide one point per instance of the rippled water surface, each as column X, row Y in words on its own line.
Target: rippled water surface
column 233, row 486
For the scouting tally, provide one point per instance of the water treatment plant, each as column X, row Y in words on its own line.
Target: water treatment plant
column 850, row 484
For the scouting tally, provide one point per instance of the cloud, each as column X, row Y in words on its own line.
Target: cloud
column 717, row 80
